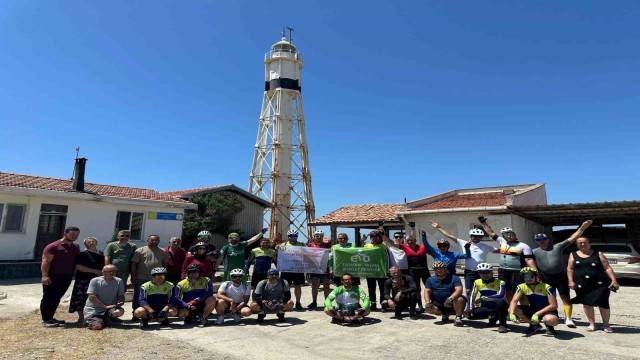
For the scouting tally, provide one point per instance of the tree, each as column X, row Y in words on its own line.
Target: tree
column 215, row 213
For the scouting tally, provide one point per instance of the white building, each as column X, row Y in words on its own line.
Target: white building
column 35, row 210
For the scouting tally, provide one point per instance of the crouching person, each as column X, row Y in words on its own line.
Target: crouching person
column 233, row 298
column 272, row 295
column 154, row 299
column 400, row 293
column 105, row 299
column 193, row 296
column 347, row 297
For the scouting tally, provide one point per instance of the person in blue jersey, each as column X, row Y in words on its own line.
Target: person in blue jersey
column 193, row 296
column 154, row 299
column 487, row 296
column 443, row 294
column 534, row 302
column 442, row 252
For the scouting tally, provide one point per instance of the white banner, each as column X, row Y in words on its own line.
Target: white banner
column 398, row 258
column 302, row 259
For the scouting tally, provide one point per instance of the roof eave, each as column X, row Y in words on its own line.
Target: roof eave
column 451, row 210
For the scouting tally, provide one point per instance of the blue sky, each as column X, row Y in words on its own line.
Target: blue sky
column 402, row 99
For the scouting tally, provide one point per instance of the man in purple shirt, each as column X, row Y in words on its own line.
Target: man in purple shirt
column 58, row 266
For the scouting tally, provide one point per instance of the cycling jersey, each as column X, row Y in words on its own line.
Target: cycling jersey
column 185, row 291
column 494, row 289
column 538, row 296
column 416, row 259
column 448, row 257
column 478, row 252
column 262, row 260
column 512, row 255
column 233, row 256
column 343, row 296
column 156, row 296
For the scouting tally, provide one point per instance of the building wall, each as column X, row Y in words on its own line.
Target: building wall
column 94, row 218
column 536, row 196
column 248, row 222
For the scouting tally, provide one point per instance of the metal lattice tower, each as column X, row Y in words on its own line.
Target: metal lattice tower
column 280, row 171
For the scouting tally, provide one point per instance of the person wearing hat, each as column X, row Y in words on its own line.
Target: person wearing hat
column 193, row 296
column 154, row 299
column 198, row 256
column 233, row 253
column 233, row 298
column 443, row 294
column 441, row 251
column 272, row 295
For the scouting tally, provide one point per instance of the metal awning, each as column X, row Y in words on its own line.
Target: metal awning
column 611, row 212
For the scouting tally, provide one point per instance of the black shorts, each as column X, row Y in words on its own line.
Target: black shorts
column 444, row 309
column 529, row 310
column 469, row 277
column 560, row 282
column 227, row 307
column 293, row 278
column 511, row 278
column 199, row 309
column 256, row 278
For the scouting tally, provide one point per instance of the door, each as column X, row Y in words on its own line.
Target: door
column 50, row 226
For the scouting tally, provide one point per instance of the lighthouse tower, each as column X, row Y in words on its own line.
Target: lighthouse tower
column 280, row 171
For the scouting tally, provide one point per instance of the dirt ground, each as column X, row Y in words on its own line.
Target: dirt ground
column 308, row 335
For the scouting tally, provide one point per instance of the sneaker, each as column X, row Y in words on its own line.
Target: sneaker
column 533, row 328
column 492, row 322
column 280, row 317
column 457, row 321
column 570, row 323
column 420, row 310
column 236, row 318
column 220, row 320
column 444, row 318
column 50, row 324
column 374, row 306
column 144, row 323
column 550, row 330
column 61, row 322
column 312, row 305
column 261, row 317
column 335, row 321
column 385, row 307
column 298, row 306
column 467, row 314
column 413, row 316
column 503, row 329
column 165, row 322
column 203, row 321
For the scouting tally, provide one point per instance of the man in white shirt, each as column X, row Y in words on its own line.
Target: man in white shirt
column 233, row 297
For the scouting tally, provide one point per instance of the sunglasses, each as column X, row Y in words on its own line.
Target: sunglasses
column 237, row 276
column 443, row 245
column 398, row 236
column 293, row 235
column 485, row 272
column 528, row 276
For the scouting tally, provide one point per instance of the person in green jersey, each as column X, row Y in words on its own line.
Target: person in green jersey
column 348, row 308
column 233, row 253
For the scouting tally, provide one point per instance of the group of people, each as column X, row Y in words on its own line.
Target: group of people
column 174, row 282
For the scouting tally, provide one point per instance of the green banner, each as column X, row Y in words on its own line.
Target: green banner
column 360, row 262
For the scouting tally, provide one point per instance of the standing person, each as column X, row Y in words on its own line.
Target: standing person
column 262, row 257
column 200, row 258
column 318, row 242
column 343, row 243
column 442, row 253
column 233, row 253
column 592, row 278
column 89, row 264
column 443, row 294
column 233, row 298
column 514, row 255
column 417, row 261
column 272, row 295
column 293, row 279
column 400, row 293
column 119, row 253
column 175, row 258
column 58, row 260
column 105, row 299
column 478, row 252
column 143, row 261
column 377, row 237
column 550, row 261
column 537, row 303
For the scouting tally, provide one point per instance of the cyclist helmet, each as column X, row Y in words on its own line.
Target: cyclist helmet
column 236, row 272
column 193, row 267
column 540, row 237
column 439, row 264
column 528, row 270
column 476, row 232
column 233, row 235
column 318, row 233
column 484, row 267
column 204, row 233
column 442, row 242
column 158, row 271
column 201, row 243
column 292, row 233
column 273, row 272
column 507, row 230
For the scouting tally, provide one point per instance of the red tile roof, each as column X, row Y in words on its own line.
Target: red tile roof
column 369, row 213
column 191, row 191
column 64, row 185
column 466, row 201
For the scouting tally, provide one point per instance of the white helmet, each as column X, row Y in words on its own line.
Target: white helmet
column 476, row 232
column 484, row 266
column 204, row 233
column 292, row 232
column 236, row 272
column 507, row 230
column 318, row 232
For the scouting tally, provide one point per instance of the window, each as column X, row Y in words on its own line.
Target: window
column 132, row 221
column 12, row 217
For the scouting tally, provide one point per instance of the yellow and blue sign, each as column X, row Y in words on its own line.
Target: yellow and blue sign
column 165, row 216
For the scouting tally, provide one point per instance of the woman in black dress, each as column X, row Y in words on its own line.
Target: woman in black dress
column 89, row 264
column 591, row 276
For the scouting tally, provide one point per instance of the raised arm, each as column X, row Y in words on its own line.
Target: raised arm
column 432, row 251
column 386, row 239
column 442, row 230
column 486, row 227
column 257, row 237
column 579, row 232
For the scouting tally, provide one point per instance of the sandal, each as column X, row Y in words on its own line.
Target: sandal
column 591, row 328
column 608, row 330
